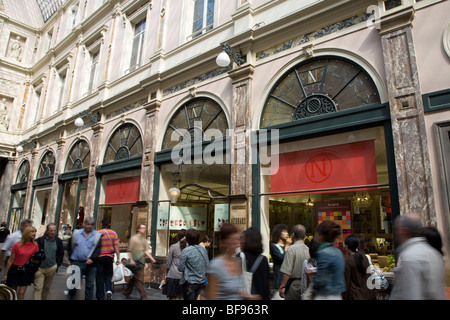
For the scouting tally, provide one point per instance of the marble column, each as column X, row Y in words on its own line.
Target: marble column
column 407, row 117
column 151, row 274
column 59, row 165
column 92, row 178
column 241, row 169
column 6, row 178
column 148, row 165
column 34, row 163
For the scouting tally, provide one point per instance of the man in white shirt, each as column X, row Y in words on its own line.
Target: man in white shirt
column 420, row 272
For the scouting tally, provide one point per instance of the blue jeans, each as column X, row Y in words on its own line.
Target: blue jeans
column 89, row 271
column 105, row 273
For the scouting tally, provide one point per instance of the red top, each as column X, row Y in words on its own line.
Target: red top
column 23, row 253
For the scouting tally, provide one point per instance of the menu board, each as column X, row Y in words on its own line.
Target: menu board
column 221, row 215
column 338, row 211
column 163, row 218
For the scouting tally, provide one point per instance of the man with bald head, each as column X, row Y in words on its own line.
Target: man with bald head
column 420, row 272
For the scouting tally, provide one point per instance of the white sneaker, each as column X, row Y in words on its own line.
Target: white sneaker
column 108, row 295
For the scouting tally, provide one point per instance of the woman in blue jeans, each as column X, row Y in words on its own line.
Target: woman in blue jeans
column 329, row 281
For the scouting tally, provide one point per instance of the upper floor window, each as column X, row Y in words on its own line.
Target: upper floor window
column 61, row 87
column 49, row 38
column 73, row 17
column 93, row 70
column 138, row 44
column 203, row 17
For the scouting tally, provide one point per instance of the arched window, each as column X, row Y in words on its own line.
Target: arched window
column 125, row 143
column 47, row 165
column 319, row 86
column 196, row 116
column 24, row 171
column 79, row 156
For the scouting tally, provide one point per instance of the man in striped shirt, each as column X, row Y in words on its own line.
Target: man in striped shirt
column 105, row 263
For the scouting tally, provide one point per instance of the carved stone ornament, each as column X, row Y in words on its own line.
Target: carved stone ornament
column 314, row 105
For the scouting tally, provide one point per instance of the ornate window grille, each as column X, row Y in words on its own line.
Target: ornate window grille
column 79, row 156
column 184, row 125
column 125, row 143
column 47, row 165
column 316, row 87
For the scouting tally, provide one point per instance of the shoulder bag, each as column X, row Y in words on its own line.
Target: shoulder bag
column 248, row 275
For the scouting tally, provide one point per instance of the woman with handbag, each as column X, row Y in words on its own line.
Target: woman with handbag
column 173, row 275
column 16, row 274
column 254, row 261
column 356, row 275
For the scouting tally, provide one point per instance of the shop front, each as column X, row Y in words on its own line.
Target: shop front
column 18, row 195
column 334, row 157
column 192, row 183
column 42, row 192
column 118, row 184
column 73, row 189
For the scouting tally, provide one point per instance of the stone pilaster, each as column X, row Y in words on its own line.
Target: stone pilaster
column 241, row 175
column 34, row 163
column 59, row 156
column 6, row 178
column 407, row 117
column 149, row 139
column 92, row 179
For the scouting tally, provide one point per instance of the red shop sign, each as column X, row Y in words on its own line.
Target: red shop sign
column 124, row 190
column 343, row 165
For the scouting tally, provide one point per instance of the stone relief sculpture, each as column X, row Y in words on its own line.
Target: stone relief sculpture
column 3, row 115
column 15, row 49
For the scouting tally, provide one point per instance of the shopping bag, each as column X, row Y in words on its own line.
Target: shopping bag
column 118, row 273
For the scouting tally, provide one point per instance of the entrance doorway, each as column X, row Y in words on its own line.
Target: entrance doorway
column 203, row 204
column 40, row 210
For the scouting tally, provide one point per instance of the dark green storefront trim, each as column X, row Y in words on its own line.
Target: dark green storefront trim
column 437, row 100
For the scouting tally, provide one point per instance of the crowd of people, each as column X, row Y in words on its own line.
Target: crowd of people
column 317, row 270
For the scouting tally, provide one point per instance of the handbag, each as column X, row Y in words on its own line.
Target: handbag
column 164, row 286
column 377, row 279
column 138, row 265
column 248, row 275
column 309, row 293
column 139, row 260
column 118, row 274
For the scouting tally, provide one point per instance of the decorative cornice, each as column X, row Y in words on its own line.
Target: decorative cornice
column 397, row 20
